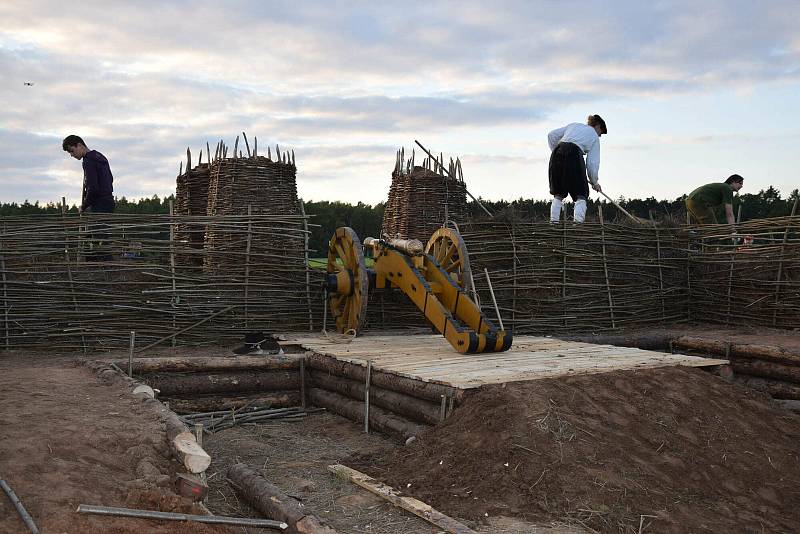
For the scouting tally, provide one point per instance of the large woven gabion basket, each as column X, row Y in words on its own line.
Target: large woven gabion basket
column 423, row 198
column 243, row 186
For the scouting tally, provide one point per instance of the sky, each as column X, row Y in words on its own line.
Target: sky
column 691, row 91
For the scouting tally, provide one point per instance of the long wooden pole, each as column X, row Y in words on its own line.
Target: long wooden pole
column 489, row 213
column 181, row 331
column 620, row 208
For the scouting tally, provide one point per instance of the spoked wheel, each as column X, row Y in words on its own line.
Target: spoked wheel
column 347, row 281
column 448, row 248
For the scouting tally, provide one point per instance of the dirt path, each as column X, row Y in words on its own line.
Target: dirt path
column 68, row 439
column 664, row 450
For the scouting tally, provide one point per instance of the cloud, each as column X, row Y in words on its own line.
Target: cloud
column 345, row 84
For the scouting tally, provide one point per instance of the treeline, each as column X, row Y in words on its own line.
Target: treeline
column 366, row 219
column 153, row 204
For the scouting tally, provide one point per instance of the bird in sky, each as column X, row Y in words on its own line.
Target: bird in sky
column 29, row 84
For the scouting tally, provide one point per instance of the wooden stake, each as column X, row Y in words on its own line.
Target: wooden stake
column 443, row 409
column 172, row 255
column 303, row 382
column 605, row 268
column 366, row 396
column 780, row 267
column 6, row 305
column 308, row 269
column 247, row 260
column 660, row 269
column 130, row 353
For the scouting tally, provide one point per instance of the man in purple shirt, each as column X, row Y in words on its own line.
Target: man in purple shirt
column 98, row 190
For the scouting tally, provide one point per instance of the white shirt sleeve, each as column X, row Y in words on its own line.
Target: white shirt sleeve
column 593, row 162
column 554, row 137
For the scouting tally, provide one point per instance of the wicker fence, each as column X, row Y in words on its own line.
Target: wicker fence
column 570, row 278
column 83, row 283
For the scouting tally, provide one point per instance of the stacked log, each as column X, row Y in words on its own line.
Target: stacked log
column 399, row 406
column 772, row 369
column 423, row 198
column 218, row 383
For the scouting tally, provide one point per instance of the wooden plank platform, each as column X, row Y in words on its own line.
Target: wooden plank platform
column 431, row 359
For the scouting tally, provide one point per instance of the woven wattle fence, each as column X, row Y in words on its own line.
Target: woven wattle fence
column 83, row 283
column 560, row 278
column 755, row 284
column 566, row 278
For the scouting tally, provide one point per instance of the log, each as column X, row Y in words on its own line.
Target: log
column 657, row 342
column 184, row 445
column 410, row 407
column 270, row 501
column 416, row 507
column 273, row 399
column 379, row 418
column 191, row 455
column 741, row 350
column 787, row 373
column 408, row 386
column 776, row 388
column 269, row 362
column 198, row 383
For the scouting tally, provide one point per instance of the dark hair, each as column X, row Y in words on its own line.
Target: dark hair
column 71, row 141
column 597, row 120
column 734, row 178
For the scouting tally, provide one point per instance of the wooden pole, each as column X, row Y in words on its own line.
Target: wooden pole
column 6, row 305
column 660, row 269
column 247, row 260
column 605, row 268
column 308, row 269
column 181, row 331
column 564, row 267
column 172, row 261
column 620, row 208
column 780, row 267
column 130, row 352
column 23, row 513
column 303, row 382
column 494, row 300
column 366, row 396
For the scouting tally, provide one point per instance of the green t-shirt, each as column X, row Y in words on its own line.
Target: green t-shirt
column 714, row 194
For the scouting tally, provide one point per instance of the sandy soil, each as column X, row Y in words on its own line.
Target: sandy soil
column 664, row 450
column 68, row 439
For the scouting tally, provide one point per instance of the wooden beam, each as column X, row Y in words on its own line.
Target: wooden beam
column 410, row 504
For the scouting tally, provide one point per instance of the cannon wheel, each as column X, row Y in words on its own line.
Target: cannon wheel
column 345, row 254
column 448, row 248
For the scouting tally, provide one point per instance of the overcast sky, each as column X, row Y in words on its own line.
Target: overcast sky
column 691, row 91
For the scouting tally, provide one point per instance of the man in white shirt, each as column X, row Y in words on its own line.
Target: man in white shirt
column 567, row 169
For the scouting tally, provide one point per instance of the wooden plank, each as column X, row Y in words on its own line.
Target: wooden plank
column 410, row 504
column 431, row 359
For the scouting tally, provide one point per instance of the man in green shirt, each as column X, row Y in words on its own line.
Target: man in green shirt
column 703, row 201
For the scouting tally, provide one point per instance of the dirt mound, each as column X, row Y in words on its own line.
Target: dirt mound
column 664, row 450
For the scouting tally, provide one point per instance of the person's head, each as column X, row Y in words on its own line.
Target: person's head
column 597, row 122
column 75, row 146
column 735, row 181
